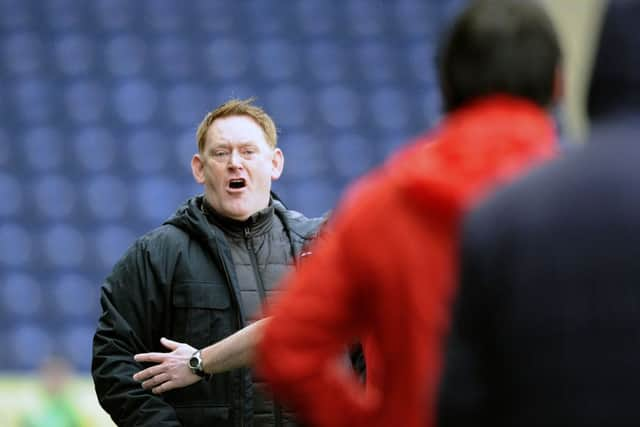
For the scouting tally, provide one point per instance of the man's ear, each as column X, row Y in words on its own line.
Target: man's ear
column 277, row 164
column 558, row 86
column 197, row 168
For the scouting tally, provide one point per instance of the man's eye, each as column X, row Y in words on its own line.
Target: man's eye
column 220, row 154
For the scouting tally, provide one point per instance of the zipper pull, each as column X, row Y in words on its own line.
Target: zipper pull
column 247, row 232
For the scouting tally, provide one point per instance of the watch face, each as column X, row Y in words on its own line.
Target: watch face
column 193, row 362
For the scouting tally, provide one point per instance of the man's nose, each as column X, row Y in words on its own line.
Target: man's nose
column 235, row 160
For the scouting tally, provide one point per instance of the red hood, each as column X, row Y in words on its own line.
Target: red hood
column 476, row 148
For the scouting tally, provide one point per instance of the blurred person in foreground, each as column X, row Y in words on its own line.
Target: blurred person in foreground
column 201, row 276
column 385, row 273
column 613, row 103
column 57, row 409
column 547, row 326
column 546, row 331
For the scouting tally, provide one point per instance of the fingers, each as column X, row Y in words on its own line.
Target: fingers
column 151, row 357
column 164, row 387
column 149, row 373
column 155, row 381
column 171, row 345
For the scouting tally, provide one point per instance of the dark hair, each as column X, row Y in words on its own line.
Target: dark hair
column 499, row 46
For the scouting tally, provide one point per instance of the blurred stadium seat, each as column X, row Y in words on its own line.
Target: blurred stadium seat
column 16, row 245
column 22, row 296
column 111, row 242
column 54, row 197
column 100, row 105
column 107, row 198
column 64, row 246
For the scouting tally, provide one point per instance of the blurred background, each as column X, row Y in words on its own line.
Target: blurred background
column 99, row 102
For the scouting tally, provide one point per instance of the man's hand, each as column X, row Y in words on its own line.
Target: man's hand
column 172, row 369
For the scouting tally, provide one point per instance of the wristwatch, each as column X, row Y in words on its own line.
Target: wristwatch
column 195, row 364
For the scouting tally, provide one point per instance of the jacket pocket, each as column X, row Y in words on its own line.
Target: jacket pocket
column 202, row 312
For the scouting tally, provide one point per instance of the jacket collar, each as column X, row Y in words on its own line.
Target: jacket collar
column 257, row 224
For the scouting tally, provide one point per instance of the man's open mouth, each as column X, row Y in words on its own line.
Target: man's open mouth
column 238, row 183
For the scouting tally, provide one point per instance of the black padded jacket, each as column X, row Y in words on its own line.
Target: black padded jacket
column 177, row 281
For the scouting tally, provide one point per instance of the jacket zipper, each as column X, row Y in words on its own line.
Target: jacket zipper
column 254, row 264
column 225, row 267
column 277, row 411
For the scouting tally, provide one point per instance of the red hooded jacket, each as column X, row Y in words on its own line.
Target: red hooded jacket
column 385, row 273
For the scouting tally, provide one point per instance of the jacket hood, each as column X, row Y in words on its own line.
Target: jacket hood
column 486, row 143
column 191, row 218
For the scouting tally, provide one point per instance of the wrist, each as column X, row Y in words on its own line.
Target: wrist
column 196, row 365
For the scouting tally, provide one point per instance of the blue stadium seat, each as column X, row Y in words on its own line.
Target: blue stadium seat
column 234, row 89
column 64, row 15
column 64, row 246
column 174, row 57
column 421, row 57
column 366, row 19
column 75, row 343
column 35, row 98
column 215, row 17
column 15, row 15
column 21, row 296
column 75, row 297
column 316, row 17
column 288, row 104
column 340, row 106
column 352, row 155
column 431, row 105
column 125, row 55
column 326, row 61
column 114, row 15
column 226, row 58
column 107, row 197
column 164, row 15
column 16, row 245
column 12, row 196
column 43, row 148
column 5, row 150
column 85, row 102
column 55, row 197
column 185, row 146
column 313, row 197
column 277, row 59
column 412, row 17
column 187, row 103
column 390, row 108
column 23, row 339
column 262, row 20
column 111, row 242
column 304, row 156
column 147, row 150
column 94, row 149
column 74, row 54
column 23, row 53
column 377, row 62
column 156, row 199
column 135, row 101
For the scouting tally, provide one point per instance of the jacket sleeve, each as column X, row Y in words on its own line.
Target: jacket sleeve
column 132, row 307
column 301, row 352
